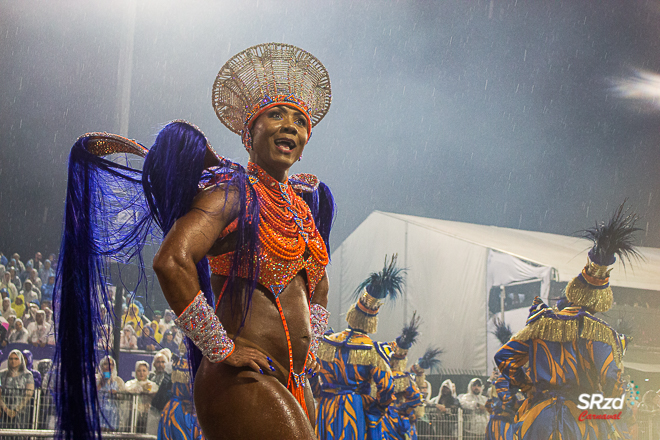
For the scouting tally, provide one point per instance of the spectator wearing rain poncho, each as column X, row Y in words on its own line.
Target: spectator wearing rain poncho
column 167, row 322
column 161, row 374
column 30, row 293
column 128, row 339
column 33, row 276
column 46, row 270
column 168, row 342
column 19, row 334
column 146, row 389
column 6, row 307
column 19, row 306
column 108, row 385
column 7, row 284
column 47, row 290
column 39, row 330
column 133, row 316
column 146, row 341
column 17, row 388
column 157, row 335
column 28, row 357
column 30, row 314
column 473, row 404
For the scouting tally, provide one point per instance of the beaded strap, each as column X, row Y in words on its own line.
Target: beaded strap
column 319, row 319
column 203, row 327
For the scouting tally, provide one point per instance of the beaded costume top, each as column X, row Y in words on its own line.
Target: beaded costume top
column 288, row 239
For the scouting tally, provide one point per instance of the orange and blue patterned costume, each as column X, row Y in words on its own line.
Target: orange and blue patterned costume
column 399, row 421
column 178, row 420
column 570, row 352
column 502, row 409
column 350, row 363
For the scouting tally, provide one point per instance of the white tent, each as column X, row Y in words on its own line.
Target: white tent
column 451, row 267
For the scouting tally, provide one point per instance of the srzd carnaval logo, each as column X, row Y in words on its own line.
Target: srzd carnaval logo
column 598, row 401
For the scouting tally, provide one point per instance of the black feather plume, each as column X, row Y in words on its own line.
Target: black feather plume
column 409, row 333
column 502, row 331
column 613, row 238
column 430, row 361
column 386, row 283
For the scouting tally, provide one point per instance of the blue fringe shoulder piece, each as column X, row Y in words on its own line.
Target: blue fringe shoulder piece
column 106, row 218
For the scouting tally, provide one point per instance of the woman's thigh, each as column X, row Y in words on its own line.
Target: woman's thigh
column 236, row 403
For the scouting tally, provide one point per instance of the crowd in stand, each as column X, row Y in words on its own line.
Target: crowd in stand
column 26, row 291
column 26, row 317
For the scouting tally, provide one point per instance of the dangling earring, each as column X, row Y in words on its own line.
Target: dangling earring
column 247, row 139
column 300, row 158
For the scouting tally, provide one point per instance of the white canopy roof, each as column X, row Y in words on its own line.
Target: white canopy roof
column 564, row 253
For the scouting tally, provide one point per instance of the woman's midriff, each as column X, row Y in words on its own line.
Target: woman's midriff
column 264, row 328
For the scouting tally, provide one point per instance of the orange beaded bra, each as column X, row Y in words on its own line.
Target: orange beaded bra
column 289, row 240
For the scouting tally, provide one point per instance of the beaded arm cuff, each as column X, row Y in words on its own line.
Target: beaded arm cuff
column 319, row 317
column 203, row 327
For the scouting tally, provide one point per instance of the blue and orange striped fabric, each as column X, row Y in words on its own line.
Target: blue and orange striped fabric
column 349, row 365
column 559, row 371
column 399, row 421
column 178, row 421
column 502, row 409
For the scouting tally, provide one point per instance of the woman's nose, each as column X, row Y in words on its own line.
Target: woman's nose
column 289, row 125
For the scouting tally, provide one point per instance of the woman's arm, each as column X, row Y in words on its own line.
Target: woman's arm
column 187, row 243
column 189, row 240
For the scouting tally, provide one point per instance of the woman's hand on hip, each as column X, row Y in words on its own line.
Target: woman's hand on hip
column 249, row 357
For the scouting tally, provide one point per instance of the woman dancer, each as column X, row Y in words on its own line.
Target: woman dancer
column 267, row 309
column 265, row 234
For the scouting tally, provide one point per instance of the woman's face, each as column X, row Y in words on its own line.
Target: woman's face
column 13, row 361
column 169, row 337
column 279, row 136
column 18, row 325
column 141, row 372
column 19, row 301
column 108, row 366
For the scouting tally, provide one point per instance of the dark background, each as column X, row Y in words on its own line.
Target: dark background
column 495, row 112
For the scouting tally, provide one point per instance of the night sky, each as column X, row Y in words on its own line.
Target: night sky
column 498, row 112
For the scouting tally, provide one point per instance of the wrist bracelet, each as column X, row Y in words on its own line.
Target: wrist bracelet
column 199, row 322
column 319, row 319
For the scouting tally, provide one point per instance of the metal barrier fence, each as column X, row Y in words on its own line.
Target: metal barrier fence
column 647, row 428
column 31, row 413
column 453, row 425
column 456, row 426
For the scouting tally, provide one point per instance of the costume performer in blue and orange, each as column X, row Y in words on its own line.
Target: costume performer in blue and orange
column 570, row 351
column 253, row 324
column 351, row 362
column 502, row 406
column 502, row 403
column 399, row 421
column 178, row 420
